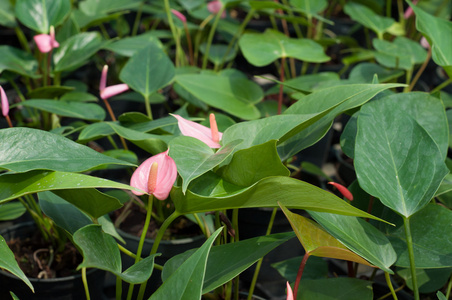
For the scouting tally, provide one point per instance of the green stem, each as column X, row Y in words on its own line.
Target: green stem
column 118, row 288
column 148, row 107
column 259, row 263
column 157, row 240
column 388, row 8
column 441, row 86
column 409, row 74
column 85, row 283
column 409, row 241
column 142, row 238
column 136, row 23
column 211, row 35
column 449, row 287
column 420, row 71
column 126, row 252
column 389, row 283
column 22, row 39
column 173, row 29
column 200, row 224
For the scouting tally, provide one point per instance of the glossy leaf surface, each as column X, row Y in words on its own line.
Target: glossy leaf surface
column 39, row 15
column 11, row 211
column 84, row 111
column 18, row 61
column 368, row 18
column 47, row 151
column 396, row 159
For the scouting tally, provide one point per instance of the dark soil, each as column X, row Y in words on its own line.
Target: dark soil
column 38, row 259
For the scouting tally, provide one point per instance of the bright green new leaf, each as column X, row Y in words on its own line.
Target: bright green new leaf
column 318, row 242
column 187, row 281
column 84, row 111
column 39, row 15
column 432, row 239
column 200, row 160
column 396, row 159
column 233, row 95
column 9, row 263
column 148, row 70
column 261, row 49
column 18, row 61
column 360, row 237
column 47, row 151
column 11, row 211
column 227, row 261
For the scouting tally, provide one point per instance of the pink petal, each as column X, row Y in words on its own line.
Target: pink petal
column 113, row 90
column 424, row 43
column 44, row 42
column 5, row 103
column 166, row 175
column 179, row 15
column 343, row 190
column 198, row 131
column 289, row 292
column 103, row 78
column 215, row 6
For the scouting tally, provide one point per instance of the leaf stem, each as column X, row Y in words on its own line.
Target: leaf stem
column 409, row 241
column 300, row 273
column 118, row 288
column 85, row 283
column 211, row 35
column 389, row 283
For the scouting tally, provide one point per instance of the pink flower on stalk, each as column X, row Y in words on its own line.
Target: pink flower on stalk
column 108, row 92
column 155, row 176
column 343, row 190
column 409, row 11
column 424, row 43
column 289, row 292
column 179, row 15
column 46, row 42
column 210, row 136
column 5, row 103
column 215, row 6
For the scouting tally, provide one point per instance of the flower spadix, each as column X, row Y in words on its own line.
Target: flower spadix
column 46, row 42
column 155, row 176
column 210, row 136
column 110, row 91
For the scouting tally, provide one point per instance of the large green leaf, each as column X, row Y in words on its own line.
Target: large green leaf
column 187, row 281
column 401, row 53
column 430, row 280
column 368, row 18
column 100, row 7
column 18, row 61
column 84, row 111
column 233, row 95
column 335, row 289
column 200, row 160
column 365, row 73
column 253, row 164
column 261, row 49
column 360, row 237
column 76, row 50
column 432, row 239
column 9, row 263
column 7, row 17
column 148, row 70
column 396, row 159
column 101, row 251
column 47, row 151
column 210, row 192
column 439, row 34
column 130, row 45
column 11, row 211
column 39, row 15
column 316, row 268
column 310, row 6
column 318, row 242
column 334, row 100
column 75, row 188
column 227, row 261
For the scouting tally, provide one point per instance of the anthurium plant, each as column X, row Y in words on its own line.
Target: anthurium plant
column 186, row 128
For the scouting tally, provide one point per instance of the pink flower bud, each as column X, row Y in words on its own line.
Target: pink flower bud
column 215, row 6
column 424, row 43
column 179, row 15
column 343, row 190
column 108, row 92
column 46, row 42
column 5, row 103
column 155, row 176
column 210, row 136
column 289, row 292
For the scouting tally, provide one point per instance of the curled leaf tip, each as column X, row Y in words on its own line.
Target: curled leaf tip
column 343, row 190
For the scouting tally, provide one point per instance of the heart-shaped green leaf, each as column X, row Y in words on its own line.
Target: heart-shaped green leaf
column 39, row 15
column 360, row 237
column 261, row 49
column 396, row 159
column 401, row 53
column 47, row 151
column 227, row 261
column 84, row 111
column 18, row 61
column 201, row 159
column 9, row 263
column 128, row 46
column 316, row 241
column 236, row 96
column 187, row 281
column 148, row 70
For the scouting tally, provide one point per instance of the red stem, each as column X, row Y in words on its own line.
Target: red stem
column 369, row 207
column 299, row 274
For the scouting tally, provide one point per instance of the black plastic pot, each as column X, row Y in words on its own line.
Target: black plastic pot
column 64, row 288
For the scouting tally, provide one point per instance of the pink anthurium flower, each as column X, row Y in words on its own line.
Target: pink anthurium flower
column 46, row 42
column 5, row 106
column 155, row 176
column 343, row 190
column 210, row 136
column 108, row 92
column 179, row 15
column 289, row 292
column 215, row 6
column 409, row 11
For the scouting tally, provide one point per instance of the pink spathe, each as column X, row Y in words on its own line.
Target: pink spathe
column 46, row 42
column 210, row 136
column 110, row 91
column 215, row 6
column 166, row 176
column 289, row 292
column 5, row 103
column 179, row 15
